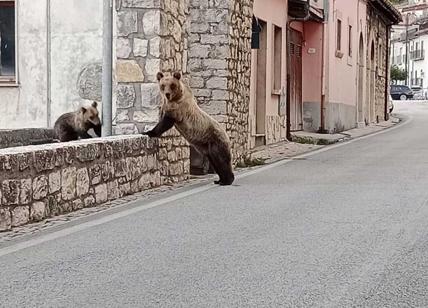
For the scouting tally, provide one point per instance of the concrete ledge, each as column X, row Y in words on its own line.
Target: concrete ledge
column 37, row 182
column 23, row 137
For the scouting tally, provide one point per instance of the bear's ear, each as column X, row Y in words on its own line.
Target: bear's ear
column 177, row 75
column 82, row 110
column 159, row 76
column 94, row 104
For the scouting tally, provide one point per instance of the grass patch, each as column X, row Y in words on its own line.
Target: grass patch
column 251, row 162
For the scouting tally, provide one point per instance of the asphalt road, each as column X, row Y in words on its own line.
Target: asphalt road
column 339, row 228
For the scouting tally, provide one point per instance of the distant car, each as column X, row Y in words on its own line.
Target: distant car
column 390, row 104
column 399, row 92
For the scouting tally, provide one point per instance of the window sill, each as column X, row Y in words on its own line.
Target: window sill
column 276, row 92
column 8, row 84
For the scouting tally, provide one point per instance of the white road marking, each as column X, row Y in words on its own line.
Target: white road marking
column 96, row 222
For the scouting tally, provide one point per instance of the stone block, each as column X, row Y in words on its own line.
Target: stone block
column 126, row 129
column 122, row 115
column 217, row 83
column 89, row 201
column 25, row 160
column 199, row 51
column 68, row 181
column 112, row 190
column 150, row 96
column 101, row 193
column 10, row 189
column 95, row 174
column 88, row 152
column 155, row 47
column 210, row 39
column 5, row 219
column 152, row 23
column 152, row 68
column 25, row 192
column 54, row 182
column 82, row 182
column 20, row 215
column 125, row 96
column 44, row 160
column 77, row 204
column 107, row 171
column 124, row 189
column 129, row 71
column 126, row 22
column 123, row 48
column 144, row 4
column 38, row 211
column 215, row 64
column 140, row 47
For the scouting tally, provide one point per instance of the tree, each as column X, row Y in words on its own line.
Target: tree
column 397, row 74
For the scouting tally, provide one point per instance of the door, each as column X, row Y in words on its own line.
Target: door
column 295, row 73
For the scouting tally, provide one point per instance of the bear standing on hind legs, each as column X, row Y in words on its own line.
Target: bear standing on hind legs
column 179, row 109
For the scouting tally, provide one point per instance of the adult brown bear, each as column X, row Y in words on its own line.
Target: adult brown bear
column 74, row 125
column 179, row 109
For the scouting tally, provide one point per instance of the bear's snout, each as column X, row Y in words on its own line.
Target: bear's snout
column 168, row 95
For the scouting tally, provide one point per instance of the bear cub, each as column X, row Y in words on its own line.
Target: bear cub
column 180, row 109
column 74, row 125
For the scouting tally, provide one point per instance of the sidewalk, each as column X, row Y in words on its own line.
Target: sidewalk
column 304, row 142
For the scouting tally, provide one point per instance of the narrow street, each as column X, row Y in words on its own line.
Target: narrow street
column 342, row 227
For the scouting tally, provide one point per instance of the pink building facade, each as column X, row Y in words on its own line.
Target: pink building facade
column 318, row 66
column 345, row 80
column 267, row 112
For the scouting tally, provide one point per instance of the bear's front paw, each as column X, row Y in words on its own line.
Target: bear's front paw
column 149, row 133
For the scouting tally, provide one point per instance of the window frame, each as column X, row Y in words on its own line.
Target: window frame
column 350, row 51
column 339, row 35
column 12, row 81
column 277, row 55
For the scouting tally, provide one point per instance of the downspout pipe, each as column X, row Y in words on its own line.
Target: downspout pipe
column 48, row 65
column 289, row 22
column 387, row 73
column 107, row 79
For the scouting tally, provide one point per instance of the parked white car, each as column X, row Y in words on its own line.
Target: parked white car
column 390, row 104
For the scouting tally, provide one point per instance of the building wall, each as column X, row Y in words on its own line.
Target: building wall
column 342, row 86
column 75, row 32
column 312, row 75
column 273, row 13
column 377, row 32
column 219, row 64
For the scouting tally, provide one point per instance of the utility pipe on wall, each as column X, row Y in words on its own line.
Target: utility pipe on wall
column 49, row 65
column 107, row 67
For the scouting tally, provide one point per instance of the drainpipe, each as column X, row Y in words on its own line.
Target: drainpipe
column 322, row 111
column 107, row 68
column 48, row 65
column 387, row 73
column 289, row 22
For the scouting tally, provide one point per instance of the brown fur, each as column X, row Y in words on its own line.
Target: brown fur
column 180, row 109
column 74, row 125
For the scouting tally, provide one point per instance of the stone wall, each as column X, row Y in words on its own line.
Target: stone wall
column 219, row 64
column 150, row 37
column 37, row 182
column 376, row 31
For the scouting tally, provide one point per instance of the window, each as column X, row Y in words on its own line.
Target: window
column 277, row 58
column 7, row 41
column 339, row 35
column 350, row 41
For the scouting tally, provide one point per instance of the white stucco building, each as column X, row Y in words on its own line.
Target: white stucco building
column 46, row 45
